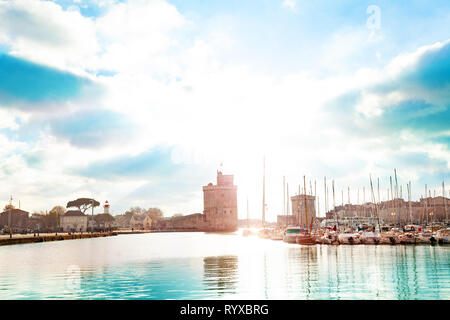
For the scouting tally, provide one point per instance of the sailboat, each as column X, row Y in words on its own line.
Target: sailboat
column 305, row 238
column 247, row 231
column 264, row 233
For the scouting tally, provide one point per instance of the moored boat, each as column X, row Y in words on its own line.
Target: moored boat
column 389, row 238
column 291, row 233
column 443, row 236
column 276, row 235
column 407, row 238
column 305, row 238
column 425, row 237
column 264, row 233
column 329, row 237
column 349, row 238
column 369, row 237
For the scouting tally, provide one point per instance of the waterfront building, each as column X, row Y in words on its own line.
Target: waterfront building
column 137, row 221
column 16, row 218
column 73, row 221
column 298, row 209
column 220, row 211
column 286, row 220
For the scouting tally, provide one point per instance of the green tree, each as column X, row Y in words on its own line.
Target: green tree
column 103, row 218
column 83, row 204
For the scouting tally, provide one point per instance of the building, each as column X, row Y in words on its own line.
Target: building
column 286, row 220
column 137, row 221
column 220, row 211
column 16, row 218
column 73, row 221
column 304, row 217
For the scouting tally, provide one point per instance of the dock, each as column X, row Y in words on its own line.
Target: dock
column 45, row 237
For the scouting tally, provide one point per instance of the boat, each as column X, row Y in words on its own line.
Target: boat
column 349, row 238
column 369, row 237
column 412, row 228
column 389, row 237
column 425, row 237
column 264, row 233
column 364, row 227
column 443, row 236
column 276, row 235
column 291, row 233
column 305, row 238
column 407, row 238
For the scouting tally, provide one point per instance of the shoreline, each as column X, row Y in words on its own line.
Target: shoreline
column 44, row 237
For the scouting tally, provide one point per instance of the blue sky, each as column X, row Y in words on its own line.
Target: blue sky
column 137, row 102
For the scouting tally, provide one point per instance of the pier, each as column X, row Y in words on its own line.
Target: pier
column 44, row 237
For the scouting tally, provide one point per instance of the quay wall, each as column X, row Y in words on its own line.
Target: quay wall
column 44, row 237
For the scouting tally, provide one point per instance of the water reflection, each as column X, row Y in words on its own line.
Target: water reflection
column 221, row 274
column 226, row 266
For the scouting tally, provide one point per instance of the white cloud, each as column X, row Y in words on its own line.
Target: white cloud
column 41, row 31
column 180, row 92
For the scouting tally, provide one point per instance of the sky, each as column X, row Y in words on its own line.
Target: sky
column 138, row 102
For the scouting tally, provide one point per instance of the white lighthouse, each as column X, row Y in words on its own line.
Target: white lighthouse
column 106, row 207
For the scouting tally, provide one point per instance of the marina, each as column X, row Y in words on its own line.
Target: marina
column 220, row 266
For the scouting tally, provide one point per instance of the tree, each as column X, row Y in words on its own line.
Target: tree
column 8, row 206
column 83, row 204
column 103, row 218
column 135, row 210
column 155, row 213
column 58, row 210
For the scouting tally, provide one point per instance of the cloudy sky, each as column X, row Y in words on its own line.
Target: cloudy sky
column 139, row 101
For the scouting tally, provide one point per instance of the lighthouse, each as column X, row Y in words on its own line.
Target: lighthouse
column 106, row 207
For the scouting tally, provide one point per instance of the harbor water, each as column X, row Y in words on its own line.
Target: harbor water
column 220, row 266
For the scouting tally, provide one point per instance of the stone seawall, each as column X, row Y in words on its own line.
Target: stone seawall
column 20, row 239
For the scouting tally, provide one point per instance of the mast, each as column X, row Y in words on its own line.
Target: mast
column 445, row 202
column 434, row 205
column 426, row 204
column 264, row 195
column 284, row 195
column 298, row 207
column 248, row 217
column 409, row 202
column 287, row 198
column 306, row 207
column 325, row 193
column 376, row 204
column 378, row 186
column 364, row 201
column 358, row 205
column 396, row 197
column 315, row 195
column 334, row 206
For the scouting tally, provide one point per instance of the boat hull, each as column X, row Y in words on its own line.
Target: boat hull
column 349, row 239
column 305, row 239
column 289, row 238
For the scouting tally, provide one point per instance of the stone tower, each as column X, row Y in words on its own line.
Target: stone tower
column 220, row 204
column 298, row 209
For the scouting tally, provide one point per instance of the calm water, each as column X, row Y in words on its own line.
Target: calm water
column 220, row 266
